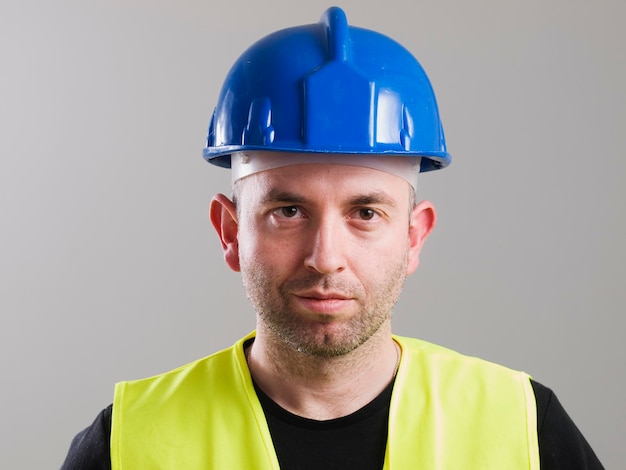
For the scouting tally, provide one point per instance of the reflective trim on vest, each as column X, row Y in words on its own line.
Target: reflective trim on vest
column 448, row 411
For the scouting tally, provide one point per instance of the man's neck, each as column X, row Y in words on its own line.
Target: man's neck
column 323, row 388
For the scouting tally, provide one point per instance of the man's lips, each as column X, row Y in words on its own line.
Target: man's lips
column 324, row 302
column 320, row 295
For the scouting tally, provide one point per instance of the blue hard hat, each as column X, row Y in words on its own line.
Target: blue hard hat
column 327, row 88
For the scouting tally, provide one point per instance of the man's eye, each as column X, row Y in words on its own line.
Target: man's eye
column 288, row 211
column 366, row 214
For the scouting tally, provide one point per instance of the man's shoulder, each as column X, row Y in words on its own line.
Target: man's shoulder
column 465, row 390
column 196, row 368
column 420, row 348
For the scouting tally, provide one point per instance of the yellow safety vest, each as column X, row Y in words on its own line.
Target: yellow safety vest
column 448, row 411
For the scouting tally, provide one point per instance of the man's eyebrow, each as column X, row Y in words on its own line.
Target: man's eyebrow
column 283, row 196
column 377, row 197
column 365, row 199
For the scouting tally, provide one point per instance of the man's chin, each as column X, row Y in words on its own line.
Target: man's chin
column 324, row 342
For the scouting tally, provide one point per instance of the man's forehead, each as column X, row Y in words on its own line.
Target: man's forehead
column 248, row 163
column 323, row 183
column 363, row 196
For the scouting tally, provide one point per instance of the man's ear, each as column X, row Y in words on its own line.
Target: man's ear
column 223, row 215
column 422, row 221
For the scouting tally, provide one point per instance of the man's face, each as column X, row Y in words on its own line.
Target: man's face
column 324, row 251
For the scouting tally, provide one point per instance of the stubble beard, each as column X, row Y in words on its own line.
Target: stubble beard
column 272, row 304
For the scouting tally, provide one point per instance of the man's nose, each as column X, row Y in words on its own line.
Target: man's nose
column 326, row 248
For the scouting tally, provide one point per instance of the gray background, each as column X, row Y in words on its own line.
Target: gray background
column 109, row 269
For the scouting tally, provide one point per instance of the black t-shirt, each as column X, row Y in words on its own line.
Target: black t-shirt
column 357, row 440
column 354, row 441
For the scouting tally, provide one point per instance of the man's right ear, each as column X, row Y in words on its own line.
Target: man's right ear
column 223, row 215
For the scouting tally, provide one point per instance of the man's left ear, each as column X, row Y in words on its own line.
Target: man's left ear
column 422, row 221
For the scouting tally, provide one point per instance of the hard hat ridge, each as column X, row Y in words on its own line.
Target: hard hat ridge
column 327, row 88
column 338, row 34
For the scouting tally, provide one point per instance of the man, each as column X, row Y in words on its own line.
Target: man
column 325, row 128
